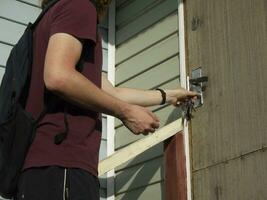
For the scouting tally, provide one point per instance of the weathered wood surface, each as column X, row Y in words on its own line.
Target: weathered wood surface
column 240, row 179
column 228, row 39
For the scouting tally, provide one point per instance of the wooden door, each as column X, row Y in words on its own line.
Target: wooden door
column 228, row 39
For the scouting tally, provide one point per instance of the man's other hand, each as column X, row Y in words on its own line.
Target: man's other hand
column 140, row 120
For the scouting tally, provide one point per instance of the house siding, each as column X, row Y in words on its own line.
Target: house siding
column 147, row 57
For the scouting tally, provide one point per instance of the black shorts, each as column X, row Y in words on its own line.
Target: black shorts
column 56, row 183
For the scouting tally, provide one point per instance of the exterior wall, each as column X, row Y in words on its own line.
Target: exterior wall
column 14, row 16
column 229, row 141
column 146, row 58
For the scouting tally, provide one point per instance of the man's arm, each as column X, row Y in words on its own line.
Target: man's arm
column 61, row 78
column 146, row 97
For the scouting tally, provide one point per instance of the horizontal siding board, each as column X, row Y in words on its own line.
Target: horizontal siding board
column 124, row 136
column 132, row 10
column 139, row 176
column 4, row 52
column 18, row 11
column 10, row 31
column 18, row 29
column 157, row 75
column 151, row 36
column 33, row 2
column 154, row 191
column 141, row 23
column 147, row 59
column 149, row 154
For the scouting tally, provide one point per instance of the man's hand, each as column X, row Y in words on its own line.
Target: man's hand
column 140, row 120
column 179, row 95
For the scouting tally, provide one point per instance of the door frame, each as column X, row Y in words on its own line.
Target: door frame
column 178, row 182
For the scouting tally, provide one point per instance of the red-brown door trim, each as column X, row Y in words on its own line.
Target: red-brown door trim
column 175, row 168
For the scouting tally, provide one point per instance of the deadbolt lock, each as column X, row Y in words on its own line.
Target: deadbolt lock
column 198, row 83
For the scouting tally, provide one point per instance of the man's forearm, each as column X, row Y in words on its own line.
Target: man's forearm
column 77, row 89
column 142, row 97
column 138, row 96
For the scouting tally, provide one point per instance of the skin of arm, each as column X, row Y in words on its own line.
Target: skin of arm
column 61, row 78
column 146, row 97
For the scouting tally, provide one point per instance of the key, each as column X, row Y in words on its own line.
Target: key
column 187, row 109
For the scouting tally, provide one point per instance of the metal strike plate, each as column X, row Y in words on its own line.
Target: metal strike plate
column 198, row 84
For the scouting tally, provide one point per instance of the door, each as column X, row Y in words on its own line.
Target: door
column 228, row 39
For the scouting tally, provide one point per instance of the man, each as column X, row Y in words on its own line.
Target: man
column 62, row 160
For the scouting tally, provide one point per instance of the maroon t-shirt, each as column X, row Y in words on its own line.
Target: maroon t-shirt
column 81, row 147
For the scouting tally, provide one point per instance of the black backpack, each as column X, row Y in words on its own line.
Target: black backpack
column 17, row 127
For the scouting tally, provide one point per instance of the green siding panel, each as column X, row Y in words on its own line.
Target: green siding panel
column 18, row 11
column 10, row 31
column 147, row 59
column 33, row 2
column 151, row 36
column 133, row 10
column 151, row 192
column 139, row 175
column 151, row 153
column 156, row 76
column 147, row 19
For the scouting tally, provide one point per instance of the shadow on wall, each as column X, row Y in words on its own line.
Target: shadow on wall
column 140, row 175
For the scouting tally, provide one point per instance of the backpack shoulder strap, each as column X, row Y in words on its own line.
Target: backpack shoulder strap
column 47, row 7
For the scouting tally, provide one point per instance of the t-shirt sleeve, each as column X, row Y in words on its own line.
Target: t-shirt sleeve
column 75, row 17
